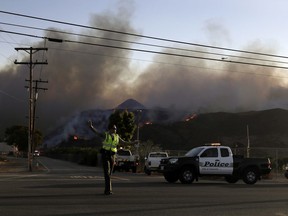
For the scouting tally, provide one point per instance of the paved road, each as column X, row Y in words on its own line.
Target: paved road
column 66, row 189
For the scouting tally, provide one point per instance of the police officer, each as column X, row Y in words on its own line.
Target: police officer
column 109, row 149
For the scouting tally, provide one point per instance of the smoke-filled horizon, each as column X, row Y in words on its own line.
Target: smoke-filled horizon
column 85, row 77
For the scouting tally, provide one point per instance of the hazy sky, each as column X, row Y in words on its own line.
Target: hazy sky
column 232, row 24
column 87, row 77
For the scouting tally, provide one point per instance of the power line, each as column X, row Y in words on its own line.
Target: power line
column 139, row 35
column 11, row 96
column 178, row 55
column 165, row 63
column 207, row 68
column 163, row 39
column 146, row 51
column 22, row 34
column 172, row 64
column 145, row 44
column 5, row 39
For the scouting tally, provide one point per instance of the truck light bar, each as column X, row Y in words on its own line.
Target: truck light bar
column 213, row 144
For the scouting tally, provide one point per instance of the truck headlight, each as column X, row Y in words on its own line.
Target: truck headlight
column 173, row 160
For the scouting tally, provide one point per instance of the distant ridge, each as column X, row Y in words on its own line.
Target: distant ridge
column 171, row 130
column 131, row 104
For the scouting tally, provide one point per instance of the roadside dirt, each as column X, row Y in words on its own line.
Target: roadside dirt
column 14, row 164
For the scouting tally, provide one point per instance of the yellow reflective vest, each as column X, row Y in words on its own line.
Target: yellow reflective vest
column 110, row 144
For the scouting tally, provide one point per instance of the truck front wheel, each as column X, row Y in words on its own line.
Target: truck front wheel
column 186, row 175
column 250, row 176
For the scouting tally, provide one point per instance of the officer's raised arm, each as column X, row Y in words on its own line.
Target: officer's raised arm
column 93, row 129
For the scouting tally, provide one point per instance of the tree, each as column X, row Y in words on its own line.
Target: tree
column 125, row 123
column 18, row 136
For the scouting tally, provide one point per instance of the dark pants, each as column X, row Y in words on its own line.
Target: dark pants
column 108, row 159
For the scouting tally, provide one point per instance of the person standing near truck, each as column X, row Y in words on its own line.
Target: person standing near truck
column 109, row 148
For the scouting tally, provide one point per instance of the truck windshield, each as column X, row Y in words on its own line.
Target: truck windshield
column 124, row 152
column 194, row 152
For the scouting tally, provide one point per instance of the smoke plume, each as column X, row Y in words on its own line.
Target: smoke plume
column 85, row 77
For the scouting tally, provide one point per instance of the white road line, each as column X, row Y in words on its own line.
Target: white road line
column 119, row 178
column 86, row 177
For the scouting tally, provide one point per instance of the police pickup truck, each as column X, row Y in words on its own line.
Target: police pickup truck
column 213, row 160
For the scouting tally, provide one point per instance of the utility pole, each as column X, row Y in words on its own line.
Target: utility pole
column 248, row 142
column 35, row 96
column 138, row 131
column 31, row 64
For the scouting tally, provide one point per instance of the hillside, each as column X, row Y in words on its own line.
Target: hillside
column 266, row 129
column 76, row 126
column 170, row 130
